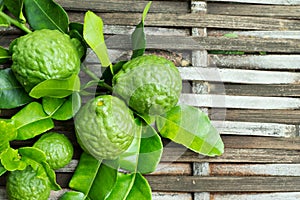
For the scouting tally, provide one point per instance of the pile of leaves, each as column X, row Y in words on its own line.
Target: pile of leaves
column 60, row 99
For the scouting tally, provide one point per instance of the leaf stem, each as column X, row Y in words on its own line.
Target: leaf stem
column 15, row 22
column 95, row 77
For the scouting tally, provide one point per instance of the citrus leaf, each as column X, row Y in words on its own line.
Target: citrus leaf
column 190, row 127
column 2, row 169
column 36, row 157
column 46, row 14
column 92, row 178
column 144, row 153
column 31, row 121
column 4, row 55
column 138, row 37
column 72, row 195
column 57, row 88
column 15, row 7
column 62, row 108
column 4, row 22
column 93, row 35
column 11, row 160
column 107, row 75
column 130, row 187
column 12, row 94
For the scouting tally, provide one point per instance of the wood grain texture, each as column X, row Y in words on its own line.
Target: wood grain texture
column 256, row 196
column 225, row 184
column 277, row 2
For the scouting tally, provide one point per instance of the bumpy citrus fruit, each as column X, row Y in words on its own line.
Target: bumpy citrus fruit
column 44, row 54
column 149, row 84
column 25, row 185
column 105, row 127
column 57, row 147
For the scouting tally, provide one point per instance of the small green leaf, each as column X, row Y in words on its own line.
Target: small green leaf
column 12, row 94
column 15, row 7
column 46, row 14
column 108, row 74
column 94, row 37
column 51, row 176
column 11, row 160
column 56, row 88
column 31, row 121
column 4, row 22
column 144, row 153
column 190, row 127
column 2, row 169
column 4, row 55
column 8, row 132
column 138, row 37
column 92, row 178
column 231, row 35
column 62, row 108
column 33, row 153
column 131, row 187
column 72, row 195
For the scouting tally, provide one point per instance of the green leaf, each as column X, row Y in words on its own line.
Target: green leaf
column 12, row 94
column 131, row 187
column 231, row 35
column 46, row 14
column 56, row 88
column 192, row 128
column 72, row 195
column 31, row 121
column 144, row 153
column 62, row 108
column 8, row 132
column 11, row 160
column 37, row 158
column 4, row 54
column 138, row 37
column 15, row 7
column 2, row 169
column 94, row 37
column 4, row 22
column 108, row 74
column 92, row 178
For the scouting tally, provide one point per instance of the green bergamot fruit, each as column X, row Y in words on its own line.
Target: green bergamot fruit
column 149, row 84
column 44, row 54
column 105, row 127
column 26, row 185
column 57, row 147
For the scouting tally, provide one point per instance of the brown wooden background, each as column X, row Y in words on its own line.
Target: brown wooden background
column 253, row 99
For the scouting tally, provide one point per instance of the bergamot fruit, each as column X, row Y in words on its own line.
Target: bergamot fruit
column 57, row 147
column 105, row 127
column 26, row 185
column 149, row 84
column 42, row 55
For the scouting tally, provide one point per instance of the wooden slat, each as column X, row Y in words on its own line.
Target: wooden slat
column 172, row 154
column 248, row 142
column 258, row 34
column 196, row 20
column 256, row 196
column 243, row 102
column 254, row 10
column 278, row 62
column 271, row 2
column 238, row 75
column 275, row 90
column 225, row 184
column 254, row 169
column 125, row 6
column 265, row 116
column 255, row 129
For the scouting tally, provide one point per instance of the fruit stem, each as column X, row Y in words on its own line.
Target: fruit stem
column 15, row 22
column 95, row 77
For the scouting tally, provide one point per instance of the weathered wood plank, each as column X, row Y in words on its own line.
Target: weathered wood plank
column 254, row 10
column 243, row 102
column 125, row 6
column 195, row 20
column 257, row 196
column 274, row 90
column 255, row 129
column 278, row 62
column 277, row 2
column 264, row 116
column 258, row 34
column 238, row 75
column 180, row 154
column 225, row 184
column 254, row 169
column 248, row 142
